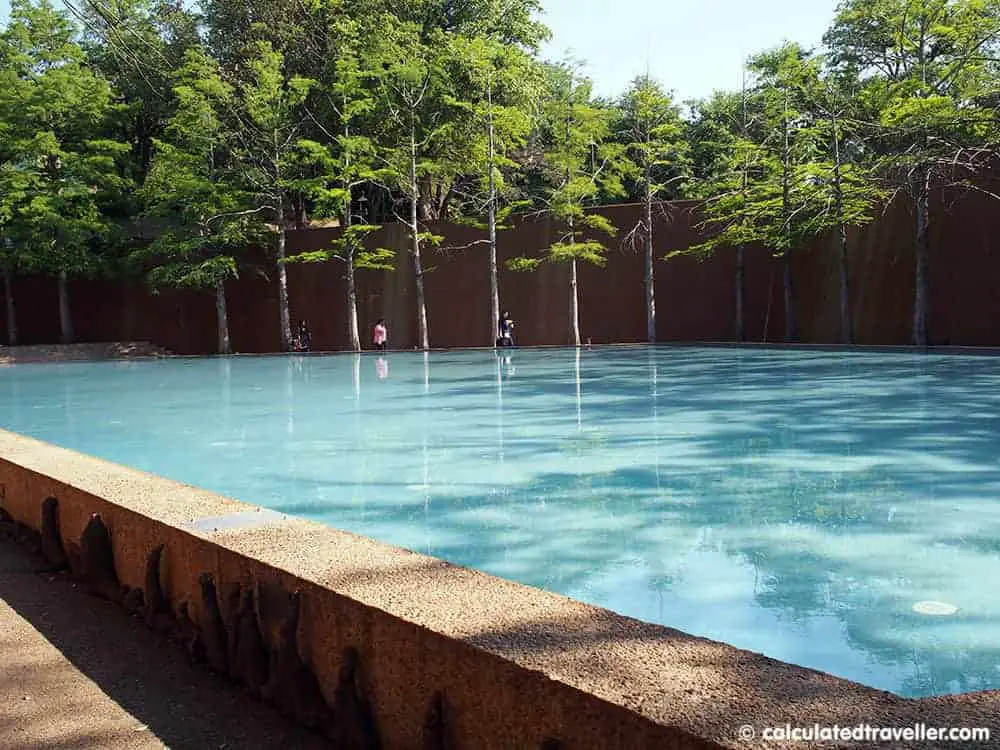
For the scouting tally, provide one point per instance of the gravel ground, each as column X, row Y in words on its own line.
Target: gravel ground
column 78, row 672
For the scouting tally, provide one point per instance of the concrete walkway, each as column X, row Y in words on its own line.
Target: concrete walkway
column 78, row 672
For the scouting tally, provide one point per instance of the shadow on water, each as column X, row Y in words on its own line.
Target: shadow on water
column 796, row 503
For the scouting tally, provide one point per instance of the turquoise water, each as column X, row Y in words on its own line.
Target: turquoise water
column 806, row 505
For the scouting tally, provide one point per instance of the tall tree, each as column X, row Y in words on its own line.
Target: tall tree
column 207, row 219
column 718, row 134
column 138, row 45
column 415, row 97
column 657, row 155
column 267, row 122
column 764, row 197
column 789, row 146
column 345, row 102
column 58, row 110
column 926, row 65
column 580, row 162
column 15, row 254
column 500, row 86
column 848, row 188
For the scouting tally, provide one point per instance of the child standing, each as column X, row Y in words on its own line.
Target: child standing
column 381, row 335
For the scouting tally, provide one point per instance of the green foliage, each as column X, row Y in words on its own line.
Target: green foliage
column 926, row 67
column 227, row 124
column 208, row 216
column 138, row 45
column 349, row 248
column 59, row 167
column 783, row 176
column 523, row 264
column 579, row 164
column 496, row 93
column 657, row 153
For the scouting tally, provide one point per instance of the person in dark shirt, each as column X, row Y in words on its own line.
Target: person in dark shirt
column 304, row 339
column 505, row 329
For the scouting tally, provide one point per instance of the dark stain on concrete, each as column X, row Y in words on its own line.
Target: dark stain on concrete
column 52, row 544
column 354, row 725
column 213, row 628
column 156, row 608
column 438, row 734
column 250, row 657
column 97, row 560
column 291, row 687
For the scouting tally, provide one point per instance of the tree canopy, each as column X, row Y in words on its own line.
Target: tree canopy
column 231, row 123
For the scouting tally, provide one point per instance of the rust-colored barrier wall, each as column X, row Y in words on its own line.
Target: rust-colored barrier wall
column 695, row 299
column 379, row 647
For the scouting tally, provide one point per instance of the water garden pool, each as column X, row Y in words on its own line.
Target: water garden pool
column 838, row 511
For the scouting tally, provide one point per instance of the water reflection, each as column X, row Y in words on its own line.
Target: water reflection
column 356, row 375
column 795, row 503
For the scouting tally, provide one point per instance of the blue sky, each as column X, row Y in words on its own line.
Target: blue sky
column 693, row 46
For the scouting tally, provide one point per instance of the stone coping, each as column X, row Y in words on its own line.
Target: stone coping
column 699, row 692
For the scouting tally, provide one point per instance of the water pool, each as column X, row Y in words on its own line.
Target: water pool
column 838, row 511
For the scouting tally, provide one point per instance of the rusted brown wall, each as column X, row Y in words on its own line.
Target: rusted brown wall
column 695, row 300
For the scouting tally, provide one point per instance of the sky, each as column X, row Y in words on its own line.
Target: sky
column 692, row 46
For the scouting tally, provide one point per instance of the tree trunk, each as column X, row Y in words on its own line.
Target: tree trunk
column 491, row 212
column 921, row 301
column 353, row 335
column 11, row 312
column 283, row 312
column 352, row 305
column 791, row 324
column 741, row 332
column 650, row 287
column 418, row 269
column 65, row 318
column 574, row 305
column 846, row 327
column 221, row 317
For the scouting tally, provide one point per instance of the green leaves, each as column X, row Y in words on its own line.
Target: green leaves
column 590, row 251
column 349, row 247
column 927, row 67
column 209, row 216
column 58, row 168
column 656, row 149
column 523, row 264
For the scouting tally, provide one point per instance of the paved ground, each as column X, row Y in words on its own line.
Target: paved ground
column 77, row 672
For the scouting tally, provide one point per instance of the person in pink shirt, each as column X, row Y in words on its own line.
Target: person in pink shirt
column 381, row 335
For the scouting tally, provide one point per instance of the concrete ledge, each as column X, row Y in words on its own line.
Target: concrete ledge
column 380, row 647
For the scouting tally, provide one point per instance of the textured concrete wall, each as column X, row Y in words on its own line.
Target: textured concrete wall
column 382, row 648
column 695, row 300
